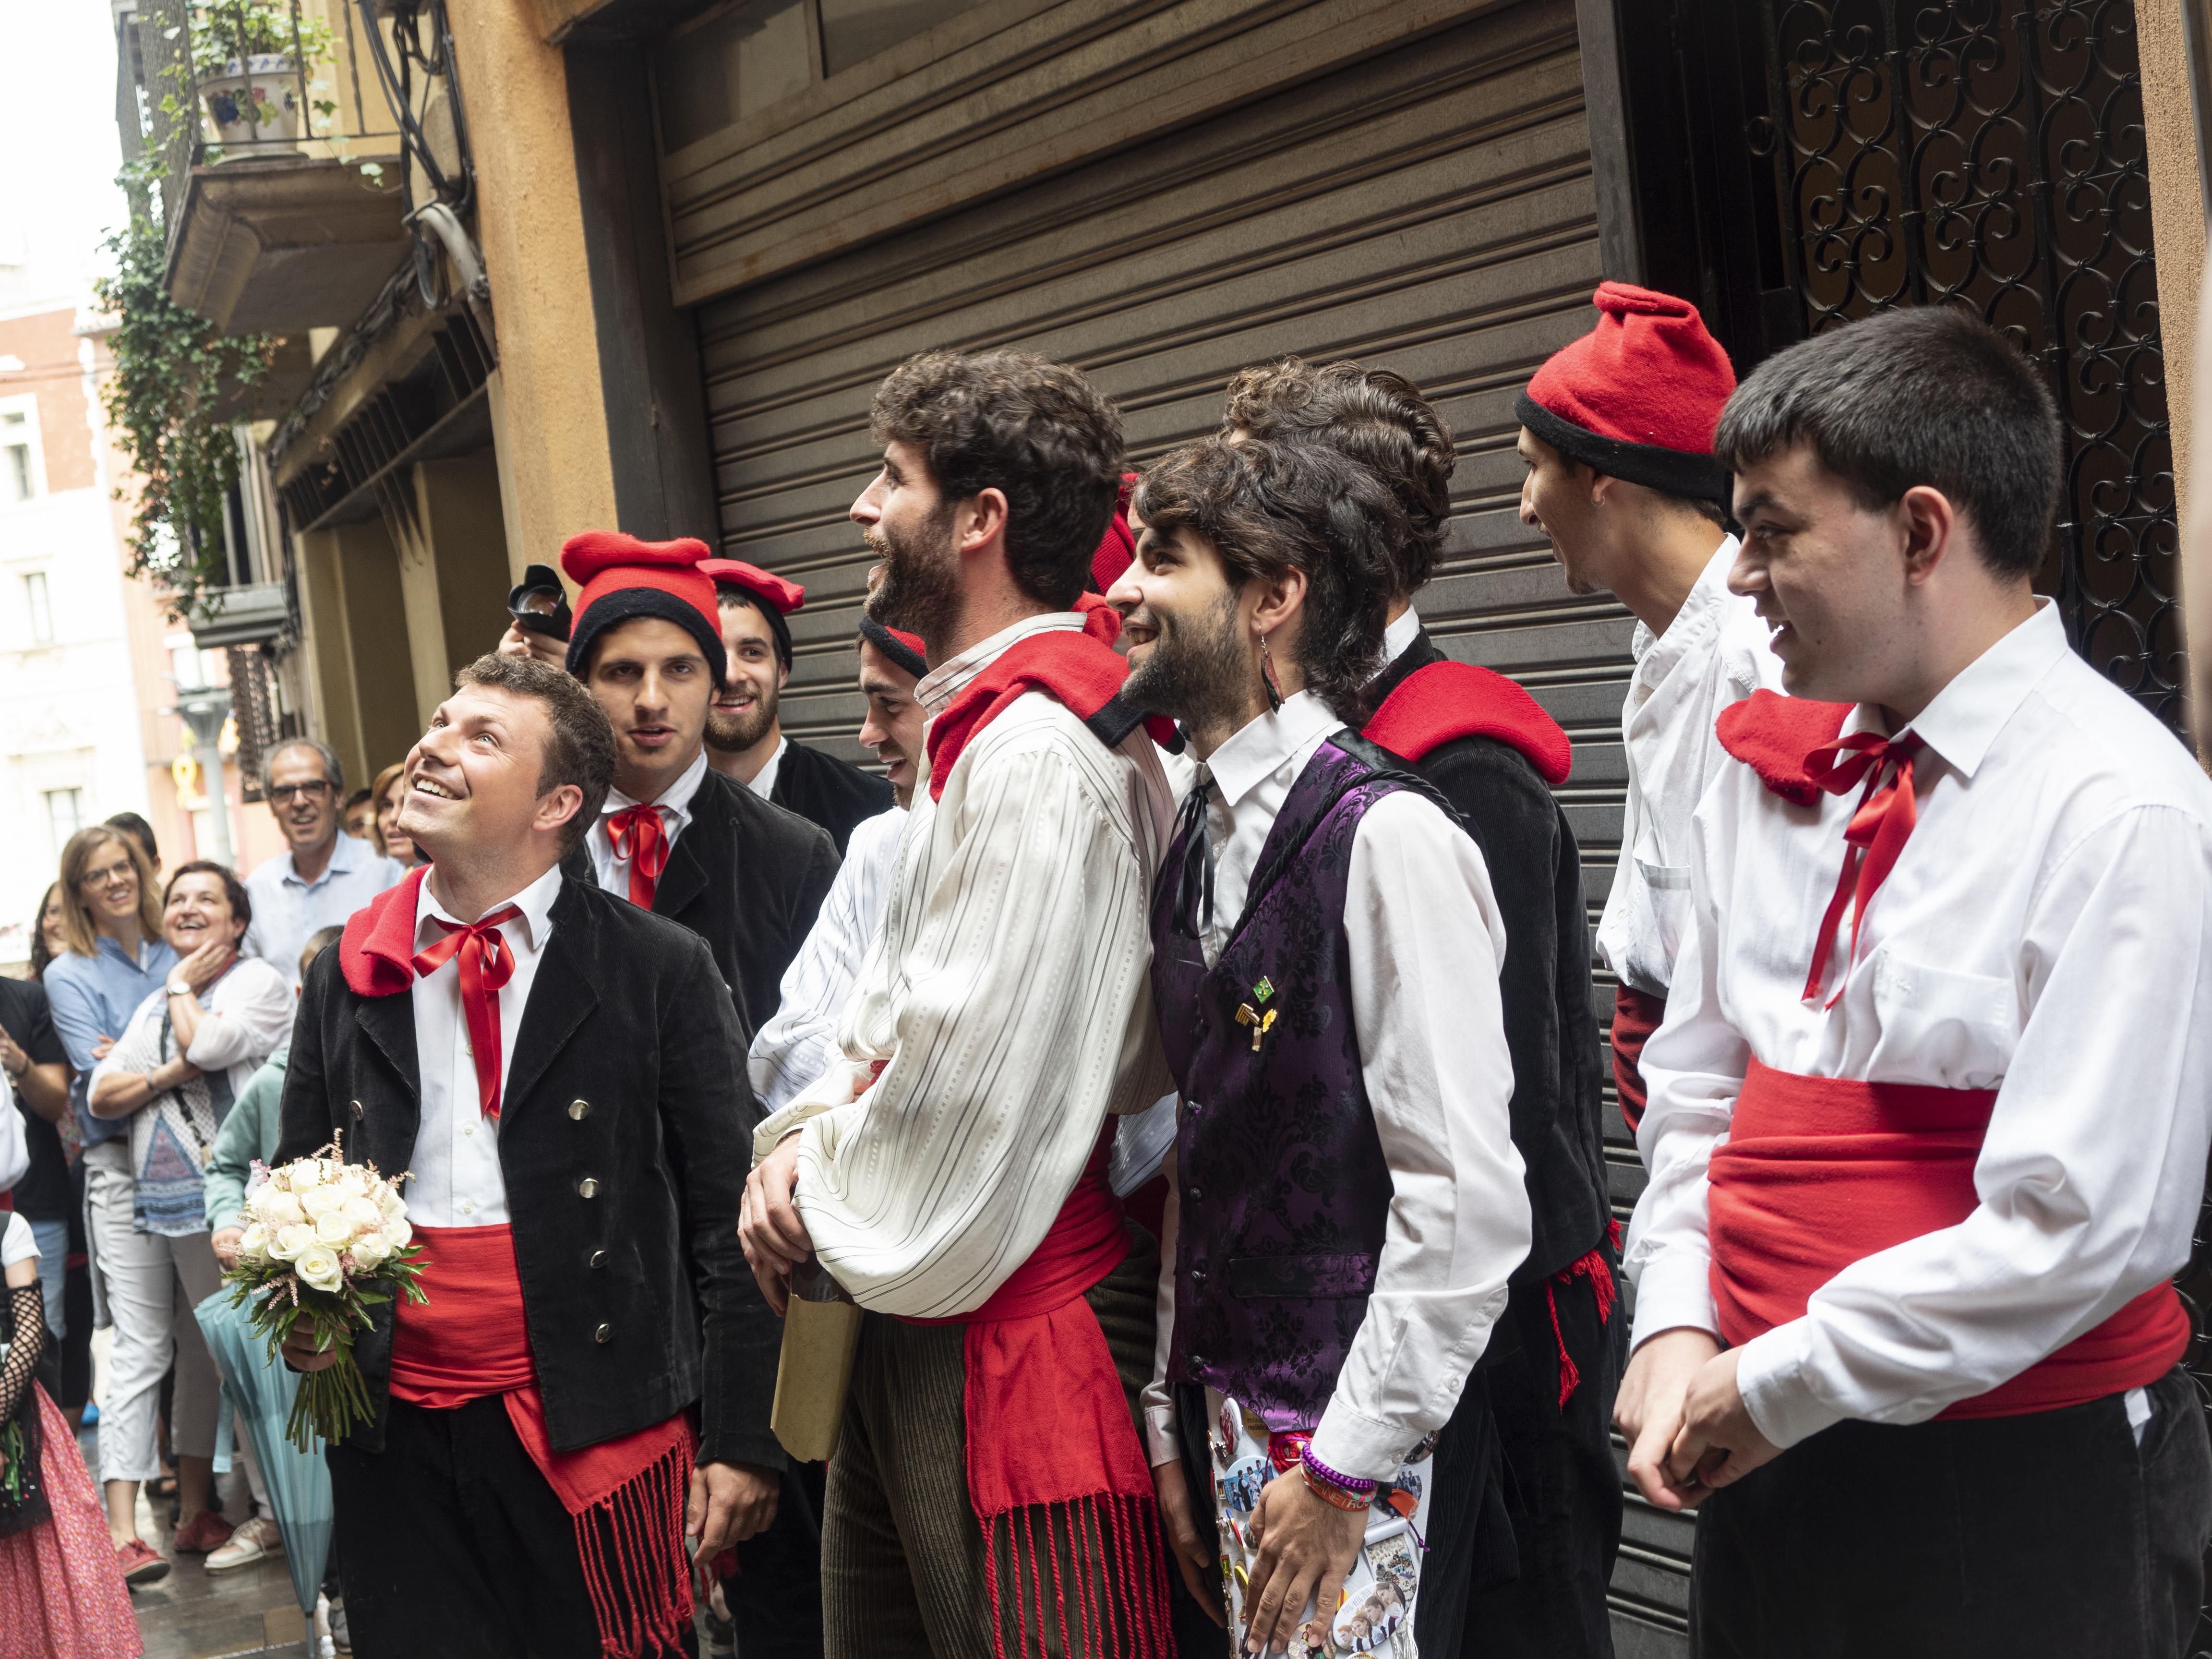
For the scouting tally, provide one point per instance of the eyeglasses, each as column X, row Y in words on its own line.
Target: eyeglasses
column 114, row 875
column 282, row 794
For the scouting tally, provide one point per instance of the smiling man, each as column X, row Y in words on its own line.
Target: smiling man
column 572, row 1109
column 324, row 875
column 745, row 740
column 1616, row 434
column 1930, row 1107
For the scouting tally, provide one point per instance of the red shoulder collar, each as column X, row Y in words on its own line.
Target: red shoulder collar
column 377, row 954
column 1445, row 701
column 1772, row 735
column 1082, row 670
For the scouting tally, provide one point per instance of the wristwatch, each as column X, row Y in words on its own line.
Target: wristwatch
column 178, row 987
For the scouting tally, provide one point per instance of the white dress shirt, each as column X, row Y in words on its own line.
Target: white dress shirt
column 1008, row 990
column 289, row 911
column 457, row 1181
column 612, row 870
column 1715, row 653
column 800, row 1040
column 763, row 783
column 1426, row 942
column 2045, row 933
column 1399, row 635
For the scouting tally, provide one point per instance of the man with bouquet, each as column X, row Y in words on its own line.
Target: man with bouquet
column 544, row 1058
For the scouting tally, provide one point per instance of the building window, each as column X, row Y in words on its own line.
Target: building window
column 65, row 814
column 19, row 460
column 42, row 612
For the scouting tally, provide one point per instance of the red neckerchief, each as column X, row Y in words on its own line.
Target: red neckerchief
column 637, row 834
column 487, row 962
column 1444, row 701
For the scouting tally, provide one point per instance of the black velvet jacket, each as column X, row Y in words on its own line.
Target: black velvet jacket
column 748, row 877
column 1550, row 1029
column 625, row 1138
column 824, row 790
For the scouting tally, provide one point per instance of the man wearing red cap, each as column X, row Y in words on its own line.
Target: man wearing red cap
column 745, row 728
column 1930, row 1107
column 1616, row 433
column 949, row 1170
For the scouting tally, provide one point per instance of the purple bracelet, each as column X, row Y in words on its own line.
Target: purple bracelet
column 1342, row 1482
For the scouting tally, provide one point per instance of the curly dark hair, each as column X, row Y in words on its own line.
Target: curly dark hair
column 1376, row 416
column 1271, row 505
column 1014, row 422
column 580, row 747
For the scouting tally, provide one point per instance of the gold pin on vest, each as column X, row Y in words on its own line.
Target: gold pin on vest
column 1261, row 1024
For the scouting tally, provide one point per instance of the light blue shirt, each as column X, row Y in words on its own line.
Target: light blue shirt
column 94, row 996
column 287, row 911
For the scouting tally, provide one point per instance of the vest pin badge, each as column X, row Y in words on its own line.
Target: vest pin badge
column 1264, row 989
column 1261, row 1024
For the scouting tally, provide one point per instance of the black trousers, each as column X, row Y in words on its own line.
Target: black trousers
column 775, row 1595
column 1560, row 1485
column 452, row 1546
column 2048, row 1536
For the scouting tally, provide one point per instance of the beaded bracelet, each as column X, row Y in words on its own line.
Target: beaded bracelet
column 1346, row 1491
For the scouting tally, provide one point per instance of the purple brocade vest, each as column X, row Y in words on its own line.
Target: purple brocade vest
column 1285, row 1193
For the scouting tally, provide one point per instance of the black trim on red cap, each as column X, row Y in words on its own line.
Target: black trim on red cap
column 628, row 605
column 900, row 654
column 1700, row 477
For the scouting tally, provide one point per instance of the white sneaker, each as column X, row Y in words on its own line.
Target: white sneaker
column 255, row 1540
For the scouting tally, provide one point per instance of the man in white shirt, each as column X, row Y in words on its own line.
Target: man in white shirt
column 952, row 1167
column 796, row 1046
column 324, row 875
column 1930, row 1107
column 1616, row 433
column 539, row 1056
column 1348, row 1202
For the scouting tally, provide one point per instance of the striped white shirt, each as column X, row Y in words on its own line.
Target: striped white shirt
column 798, row 1043
column 1009, row 993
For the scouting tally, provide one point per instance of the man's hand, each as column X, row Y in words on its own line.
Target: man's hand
column 13, row 1060
column 769, row 1223
column 729, row 1504
column 299, row 1352
column 205, row 965
column 225, row 1246
column 1197, row 1555
column 1718, row 1443
column 1649, row 1409
column 103, row 1046
column 520, row 642
column 1302, row 1546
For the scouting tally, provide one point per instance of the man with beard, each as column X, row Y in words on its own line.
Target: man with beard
column 1616, row 433
column 1491, row 751
column 745, row 728
column 949, row 1170
column 1325, row 957
column 685, row 842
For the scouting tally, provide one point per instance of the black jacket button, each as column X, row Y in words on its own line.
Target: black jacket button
column 588, row 1187
column 579, row 1110
column 598, row 1258
column 604, row 1333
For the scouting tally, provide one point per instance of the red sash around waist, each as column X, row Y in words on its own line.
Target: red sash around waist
column 1048, row 1424
column 1636, row 1015
column 1817, row 1172
column 626, row 1495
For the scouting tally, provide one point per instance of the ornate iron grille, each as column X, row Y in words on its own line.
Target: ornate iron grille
column 253, row 707
column 1990, row 152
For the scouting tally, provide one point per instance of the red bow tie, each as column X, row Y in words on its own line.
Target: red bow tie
column 637, row 834
column 1876, row 834
column 487, row 964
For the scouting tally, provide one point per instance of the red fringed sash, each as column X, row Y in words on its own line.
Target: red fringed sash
column 1636, row 1015
column 626, row 1495
column 1817, row 1172
column 1048, row 1431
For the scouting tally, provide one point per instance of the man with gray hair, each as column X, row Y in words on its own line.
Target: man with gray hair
column 324, row 876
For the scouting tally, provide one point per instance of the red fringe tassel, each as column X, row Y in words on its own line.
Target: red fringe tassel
column 1602, row 1285
column 631, row 1545
column 1120, row 1594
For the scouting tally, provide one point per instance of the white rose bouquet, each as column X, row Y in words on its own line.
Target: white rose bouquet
column 329, row 1240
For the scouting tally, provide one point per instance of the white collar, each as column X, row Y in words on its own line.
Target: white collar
column 676, row 797
column 1699, row 618
column 535, row 902
column 1963, row 720
column 1261, row 745
column 763, row 783
column 942, row 683
column 341, row 861
column 1398, row 638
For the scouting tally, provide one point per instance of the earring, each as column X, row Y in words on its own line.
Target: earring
column 1267, row 681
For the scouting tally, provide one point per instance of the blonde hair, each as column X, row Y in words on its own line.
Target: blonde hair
column 78, row 926
column 376, row 792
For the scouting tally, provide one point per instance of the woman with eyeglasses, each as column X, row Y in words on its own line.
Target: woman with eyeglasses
column 185, row 1053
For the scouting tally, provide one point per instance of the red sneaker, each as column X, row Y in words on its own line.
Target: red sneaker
column 140, row 1565
column 205, row 1531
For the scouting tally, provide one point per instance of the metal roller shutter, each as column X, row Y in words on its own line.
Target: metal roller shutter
column 1431, row 209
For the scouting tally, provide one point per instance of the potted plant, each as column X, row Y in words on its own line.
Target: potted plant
column 243, row 64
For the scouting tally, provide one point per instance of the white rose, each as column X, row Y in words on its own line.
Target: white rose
column 281, row 1209
column 253, row 1245
column 389, row 1204
column 361, row 1214
column 293, row 1242
column 318, row 1202
column 319, row 1268
column 353, row 1180
column 370, row 1251
column 394, row 1235
column 331, row 1228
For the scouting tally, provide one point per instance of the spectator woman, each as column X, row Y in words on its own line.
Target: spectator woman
column 388, row 790
column 60, row 1595
column 186, row 1052
column 47, row 939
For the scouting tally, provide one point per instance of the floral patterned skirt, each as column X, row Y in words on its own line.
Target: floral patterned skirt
column 61, row 1595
